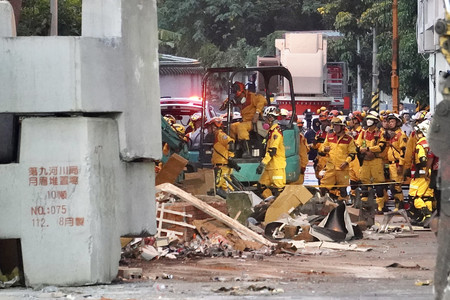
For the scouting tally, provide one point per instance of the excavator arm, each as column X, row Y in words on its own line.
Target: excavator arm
column 173, row 140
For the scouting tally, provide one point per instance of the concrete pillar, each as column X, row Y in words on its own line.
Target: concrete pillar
column 89, row 136
column 7, row 20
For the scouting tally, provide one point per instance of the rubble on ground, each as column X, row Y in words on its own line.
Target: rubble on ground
column 246, row 226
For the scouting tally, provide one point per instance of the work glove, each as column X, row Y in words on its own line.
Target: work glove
column 260, row 168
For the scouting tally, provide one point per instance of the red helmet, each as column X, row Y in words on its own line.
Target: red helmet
column 334, row 113
column 238, row 90
column 357, row 115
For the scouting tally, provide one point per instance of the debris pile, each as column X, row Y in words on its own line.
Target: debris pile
column 246, row 226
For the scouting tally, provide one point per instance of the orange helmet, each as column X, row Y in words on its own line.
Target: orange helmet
column 217, row 121
column 357, row 115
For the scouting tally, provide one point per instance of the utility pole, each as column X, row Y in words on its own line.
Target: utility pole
column 394, row 74
column 358, row 75
column 54, row 13
column 375, row 103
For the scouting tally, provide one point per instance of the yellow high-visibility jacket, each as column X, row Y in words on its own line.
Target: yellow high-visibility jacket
column 275, row 157
column 342, row 149
column 303, row 151
column 410, row 150
column 220, row 149
column 397, row 147
column 373, row 139
column 254, row 104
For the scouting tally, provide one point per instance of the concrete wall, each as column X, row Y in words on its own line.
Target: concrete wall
column 181, row 85
column 83, row 180
column 99, row 73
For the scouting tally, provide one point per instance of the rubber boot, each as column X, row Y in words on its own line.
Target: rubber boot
column 246, row 149
column 380, row 205
column 426, row 217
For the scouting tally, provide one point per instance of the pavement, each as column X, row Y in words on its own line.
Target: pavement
column 396, row 268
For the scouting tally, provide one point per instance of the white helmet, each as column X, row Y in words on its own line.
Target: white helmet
column 237, row 115
column 270, row 111
column 423, row 127
column 284, row 112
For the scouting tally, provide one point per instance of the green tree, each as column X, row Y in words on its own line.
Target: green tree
column 231, row 32
column 355, row 21
column 35, row 18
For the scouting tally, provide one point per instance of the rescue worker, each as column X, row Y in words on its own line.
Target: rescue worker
column 341, row 151
column 396, row 141
column 418, row 118
column 303, row 153
column 371, row 143
column 419, row 189
column 272, row 167
column 193, row 136
column 384, row 127
column 321, row 158
column 251, row 106
column 221, row 154
column 284, row 117
column 355, row 129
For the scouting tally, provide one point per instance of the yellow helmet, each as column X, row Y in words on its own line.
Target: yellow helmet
column 337, row 121
column 179, row 128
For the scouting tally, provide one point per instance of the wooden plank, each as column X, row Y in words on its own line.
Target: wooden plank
column 178, row 213
column 175, row 222
column 170, row 188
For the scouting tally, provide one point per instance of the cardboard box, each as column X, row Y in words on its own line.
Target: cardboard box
column 201, row 182
column 171, row 169
column 289, row 199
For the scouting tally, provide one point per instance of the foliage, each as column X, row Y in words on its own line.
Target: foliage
column 35, row 18
column 231, row 32
column 355, row 20
column 234, row 32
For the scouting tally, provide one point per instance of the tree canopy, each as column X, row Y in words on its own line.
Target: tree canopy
column 234, row 32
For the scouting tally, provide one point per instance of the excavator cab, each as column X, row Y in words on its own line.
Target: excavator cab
column 270, row 82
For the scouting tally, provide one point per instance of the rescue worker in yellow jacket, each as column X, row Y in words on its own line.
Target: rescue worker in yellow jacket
column 221, row 154
column 251, row 106
column 411, row 144
column 303, row 153
column 371, row 143
column 419, row 188
column 341, row 151
column 355, row 127
column 396, row 146
column 273, row 165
